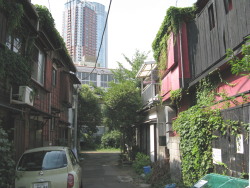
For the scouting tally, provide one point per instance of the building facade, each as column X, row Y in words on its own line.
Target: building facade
column 83, row 25
column 36, row 96
column 198, row 51
column 99, row 77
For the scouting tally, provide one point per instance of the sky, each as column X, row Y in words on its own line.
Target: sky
column 132, row 24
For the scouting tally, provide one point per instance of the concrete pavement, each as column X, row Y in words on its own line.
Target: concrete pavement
column 102, row 170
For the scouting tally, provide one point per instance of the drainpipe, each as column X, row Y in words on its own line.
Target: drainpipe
column 50, row 121
column 75, row 123
column 182, row 72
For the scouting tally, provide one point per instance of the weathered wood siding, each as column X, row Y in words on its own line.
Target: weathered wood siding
column 236, row 162
column 207, row 47
column 3, row 23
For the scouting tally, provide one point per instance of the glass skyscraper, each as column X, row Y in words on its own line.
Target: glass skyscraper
column 83, row 25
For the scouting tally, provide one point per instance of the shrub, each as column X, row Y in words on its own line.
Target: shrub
column 88, row 142
column 7, row 163
column 111, row 139
column 141, row 160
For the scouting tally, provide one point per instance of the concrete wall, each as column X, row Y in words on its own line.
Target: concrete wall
column 175, row 160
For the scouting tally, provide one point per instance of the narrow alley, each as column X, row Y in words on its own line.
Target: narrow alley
column 103, row 170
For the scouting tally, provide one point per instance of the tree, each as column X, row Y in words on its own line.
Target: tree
column 122, row 74
column 89, row 110
column 122, row 102
column 123, row 99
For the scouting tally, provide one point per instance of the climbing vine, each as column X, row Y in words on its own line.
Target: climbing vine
column 240, row 65
column 196, row 127
column 176, row 96
column 47, row 23
column 14, row 68
column 174, row 17
column 14, row 12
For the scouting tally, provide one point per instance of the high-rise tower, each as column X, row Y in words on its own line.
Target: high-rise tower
column 83, row 24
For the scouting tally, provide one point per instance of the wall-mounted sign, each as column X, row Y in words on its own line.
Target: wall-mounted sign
column 239, row 143
column 217, row 156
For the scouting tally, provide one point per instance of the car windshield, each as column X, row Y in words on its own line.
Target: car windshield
column 42, row 160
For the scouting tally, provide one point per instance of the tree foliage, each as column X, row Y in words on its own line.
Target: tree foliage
column 111, row 139
column 122, row 101
column 122, row 74
column 7, row 163
column 89, row 110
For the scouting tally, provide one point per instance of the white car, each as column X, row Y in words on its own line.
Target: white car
column 48, row 167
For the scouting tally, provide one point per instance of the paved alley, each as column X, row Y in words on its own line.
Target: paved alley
column 102, row 170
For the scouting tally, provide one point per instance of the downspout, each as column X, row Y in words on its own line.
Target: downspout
column 50, row 121
column 75, row 123
column 182, row 72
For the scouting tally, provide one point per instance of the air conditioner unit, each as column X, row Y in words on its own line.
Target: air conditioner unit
column 26, row 95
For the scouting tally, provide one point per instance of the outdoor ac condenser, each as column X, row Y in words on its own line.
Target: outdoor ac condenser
column 26, row 95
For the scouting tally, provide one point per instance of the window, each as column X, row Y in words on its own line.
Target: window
column 72, row 157
column 54, row 76
column 13, row 44
column 104, row 78
column 211, row 17
column 42, row 160
column 228, row 5
column 93, row 77
column 38, row 60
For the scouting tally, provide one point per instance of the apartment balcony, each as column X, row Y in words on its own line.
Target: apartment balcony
column 150, row 94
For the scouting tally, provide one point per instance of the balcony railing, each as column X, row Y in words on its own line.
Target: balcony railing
column 150, row 93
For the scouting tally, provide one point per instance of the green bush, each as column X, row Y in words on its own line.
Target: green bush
column 111, row 139
column 141, row 160
column 88, row 142
column 7, row 163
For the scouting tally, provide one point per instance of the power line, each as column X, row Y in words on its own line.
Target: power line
column 49, row 6
column 101, row 40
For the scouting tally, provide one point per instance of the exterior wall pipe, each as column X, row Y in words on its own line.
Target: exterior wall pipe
column 75, row 123
column 182, row 72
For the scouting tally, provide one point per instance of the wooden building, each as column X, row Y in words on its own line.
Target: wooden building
column 36, row 109
column 218, row 26
column 196, row 51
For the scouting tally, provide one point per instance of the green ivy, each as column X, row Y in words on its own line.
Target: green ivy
column 14, row 12
column 175, row 96
column 14, row 68
column 240, row 65
column 196, row 128
column 174, row 17
column 47, row 24
column 7, row 163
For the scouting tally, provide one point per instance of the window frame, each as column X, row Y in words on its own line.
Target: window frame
column 39, row 61
column 54, row 76
column 211, row 17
